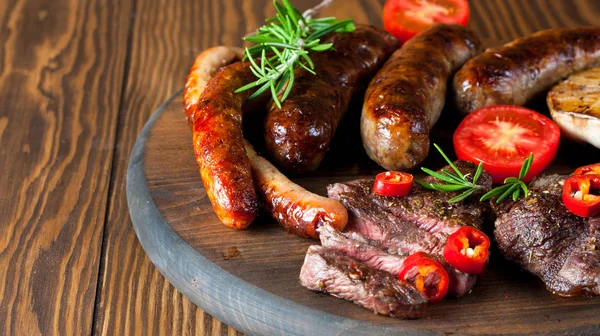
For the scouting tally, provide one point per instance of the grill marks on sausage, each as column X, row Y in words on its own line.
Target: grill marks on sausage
column 219, row 146
column 519, row 70
column 298, row 135
column 406, row 97
column 295, row 208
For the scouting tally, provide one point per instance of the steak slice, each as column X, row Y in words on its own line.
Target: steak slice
column 373, row 255
column 332, row 272
column 430, row 209
column 396, row 235
column 542, row 236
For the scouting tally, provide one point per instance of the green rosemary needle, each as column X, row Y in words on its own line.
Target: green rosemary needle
column 455, row 181
column 512, row 185
column 284, row 46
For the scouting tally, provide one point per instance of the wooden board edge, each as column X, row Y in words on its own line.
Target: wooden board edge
column 233, row 301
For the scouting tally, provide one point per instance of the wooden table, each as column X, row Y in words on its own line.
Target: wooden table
column 78, row 80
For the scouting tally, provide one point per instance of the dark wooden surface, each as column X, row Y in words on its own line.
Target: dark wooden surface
column 78, row 80
column 164, row 193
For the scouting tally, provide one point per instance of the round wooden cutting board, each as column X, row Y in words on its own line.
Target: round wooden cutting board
column 249, row 278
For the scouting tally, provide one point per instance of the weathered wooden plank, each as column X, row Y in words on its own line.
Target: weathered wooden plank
column 166, row 36
column 61, row 70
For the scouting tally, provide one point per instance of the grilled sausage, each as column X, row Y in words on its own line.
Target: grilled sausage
column 516, row 72
column 205, row 65
column 215, row 114
column 299, row 133
column 406, row 97
column 296, row 209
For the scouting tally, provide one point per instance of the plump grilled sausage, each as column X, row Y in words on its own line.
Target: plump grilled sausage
column 516, row 72
column 299, row 133
column 296, row 209
column 406, row 97
column 215, row 114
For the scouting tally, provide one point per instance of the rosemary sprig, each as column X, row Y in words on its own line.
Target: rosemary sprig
column 284, row 46
column 512, row 186
column 455, row 181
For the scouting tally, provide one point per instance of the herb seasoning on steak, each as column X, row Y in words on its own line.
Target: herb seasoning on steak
column 542, row 236
column 429, row 209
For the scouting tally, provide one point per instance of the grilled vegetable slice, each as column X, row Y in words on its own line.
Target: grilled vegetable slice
column 575, row 106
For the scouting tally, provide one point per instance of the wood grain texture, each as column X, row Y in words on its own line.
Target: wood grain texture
column 61, row 70
column 166, row 36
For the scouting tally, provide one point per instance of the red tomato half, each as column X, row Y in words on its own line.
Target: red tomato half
column 503, row 136
column 407, row 18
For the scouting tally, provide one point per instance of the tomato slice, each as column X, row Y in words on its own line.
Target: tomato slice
column 407, row 18
column 427, row 275
column 393, row 184
column 503, row 136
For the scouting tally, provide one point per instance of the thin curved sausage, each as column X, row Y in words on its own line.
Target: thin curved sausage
column 206, row 64
column 298, row 210
column 406, row 97
column 215, row 113
column 519, row 70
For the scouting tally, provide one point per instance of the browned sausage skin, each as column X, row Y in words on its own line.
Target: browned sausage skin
column 406, row 97
column 206, row 64
column 519, row 70
column 299, row 133
column 215, row 113
column 216, row 120
column 296, row 209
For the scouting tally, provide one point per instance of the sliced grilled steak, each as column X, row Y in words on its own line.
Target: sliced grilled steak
column 374, row 255
column 332, row 272
column 362, row 249
column 542, row 236
column 428, row 209
column 396, row 235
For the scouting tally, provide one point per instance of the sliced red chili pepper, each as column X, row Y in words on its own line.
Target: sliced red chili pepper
column 426, row 274
column 467, row 250
column 393, row 184
column 589, row 169
column 580, row 195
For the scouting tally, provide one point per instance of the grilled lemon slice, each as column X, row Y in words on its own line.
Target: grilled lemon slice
column 575, row 106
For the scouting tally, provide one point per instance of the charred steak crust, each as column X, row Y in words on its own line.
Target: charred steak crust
column 332, row 272
column 395, row 234
column 430, row 210
column 542, row 236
